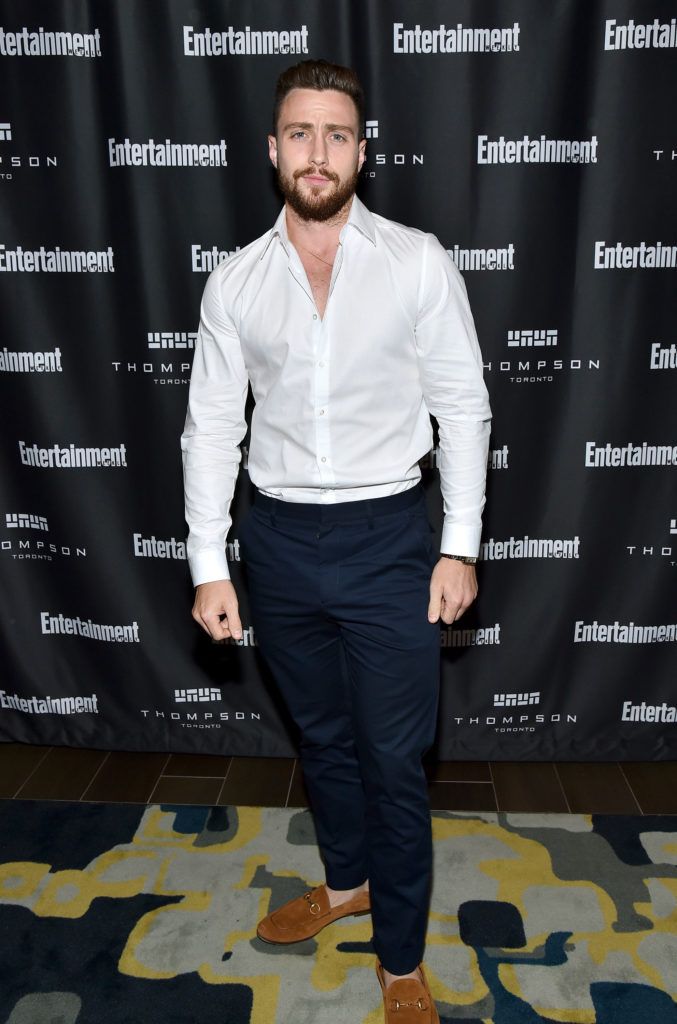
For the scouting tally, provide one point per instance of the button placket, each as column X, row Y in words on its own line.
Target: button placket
column 321, row 407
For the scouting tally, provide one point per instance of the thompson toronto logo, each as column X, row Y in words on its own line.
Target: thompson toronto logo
column 30, row 362
column 456, row 39
column 171, row 339
column 15, row 161
column 648, row 712
column 30, row 548
column 529, row 547
column 163, row 373
column 640, row 35
column 166, row 154
column 56, row 261
column 623, row 633
column 645, row 256
column 31, row 43
column 200, row 719
column 536, row 151
column 509, row 722
column 198, row 695
column 50, row 705
column 538, row 338
column 243, row 42
column 24, row 521
column 61, row 625
column 389, row 157
column 516, row 700
column 5, row 131
column 663, row 357
column 72, row 457
column 604, row 456
column 502, row 258
column 657, row 548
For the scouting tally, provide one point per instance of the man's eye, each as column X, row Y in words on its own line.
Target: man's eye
column 337, row 137
column 297, row 135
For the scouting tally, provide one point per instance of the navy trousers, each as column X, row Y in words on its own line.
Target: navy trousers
column 339, row 597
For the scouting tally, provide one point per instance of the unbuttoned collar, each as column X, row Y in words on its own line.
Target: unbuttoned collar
column 359, row 218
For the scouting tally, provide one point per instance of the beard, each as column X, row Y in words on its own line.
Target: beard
column 321, row 204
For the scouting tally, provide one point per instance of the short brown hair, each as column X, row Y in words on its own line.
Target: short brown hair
column 320, row 74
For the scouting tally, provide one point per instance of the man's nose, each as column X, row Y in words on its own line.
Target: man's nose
column 318, row 154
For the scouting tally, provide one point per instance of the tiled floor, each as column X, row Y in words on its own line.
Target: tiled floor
column 67, row 773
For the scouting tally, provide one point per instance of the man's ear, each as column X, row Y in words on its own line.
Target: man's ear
column 272, row 150
column 361, row 153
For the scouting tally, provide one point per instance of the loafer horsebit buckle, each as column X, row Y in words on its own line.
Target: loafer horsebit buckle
column 314, row 908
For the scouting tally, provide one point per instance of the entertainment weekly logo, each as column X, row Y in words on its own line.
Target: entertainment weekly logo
column 657, row 713
column 151, row 547
column 481, row 637
column 28, row 42
column 517, row 721
column 31, row 548
column 496, row 459
column 500, row 258
column 529, row 547
column 536, row 151
column 608, row 456
column 663, row 357
column 49, row 705
column 640, row 35
column 72, row 457
column 455, row 39
column 61, row 625
column 56, row 261
column 166, row 154
column 30, row 362
column 623, row 633
column 235, row 42
column 644, row 256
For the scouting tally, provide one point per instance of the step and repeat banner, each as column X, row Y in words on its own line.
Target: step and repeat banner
column 538, row 142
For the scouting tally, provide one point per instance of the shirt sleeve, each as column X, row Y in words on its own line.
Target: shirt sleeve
column 450, row 365
column 214, row 429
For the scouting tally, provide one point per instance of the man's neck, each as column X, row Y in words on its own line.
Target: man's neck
column 316, row 235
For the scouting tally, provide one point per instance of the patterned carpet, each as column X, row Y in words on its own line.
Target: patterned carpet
column 122, row 914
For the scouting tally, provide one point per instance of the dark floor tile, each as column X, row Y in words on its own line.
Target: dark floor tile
column 527, row 787
column 654, row 783
column 298, row 797
column 257, row 781
column 17, row 761
column 596, row 788
column 126, row 777
column 175, row 790
column 462, row 796
column 64, row 774
column 210, row 766
column 458, row 771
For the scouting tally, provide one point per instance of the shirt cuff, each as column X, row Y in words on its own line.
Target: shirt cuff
column 460, row 540
column 208, row 567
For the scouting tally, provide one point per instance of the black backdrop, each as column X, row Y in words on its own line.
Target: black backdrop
column 542, row 156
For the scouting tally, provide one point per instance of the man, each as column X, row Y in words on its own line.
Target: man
column 352, row 331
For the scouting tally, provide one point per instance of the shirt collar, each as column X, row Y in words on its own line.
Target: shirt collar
column 359, row 218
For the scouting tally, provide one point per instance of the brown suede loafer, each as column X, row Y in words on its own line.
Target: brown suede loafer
column 407, row 1001
column 307, row 915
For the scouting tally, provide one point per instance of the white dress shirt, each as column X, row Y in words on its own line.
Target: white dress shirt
column 343, row 402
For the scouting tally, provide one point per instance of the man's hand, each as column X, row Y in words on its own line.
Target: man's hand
column 212, row 602
column 453, row 588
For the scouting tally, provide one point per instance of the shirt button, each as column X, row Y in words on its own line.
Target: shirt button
column 320, row 363
column 321, row 412
column 314, row 316
column 323, row 459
